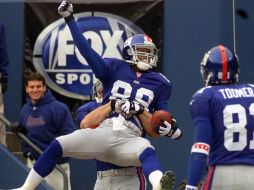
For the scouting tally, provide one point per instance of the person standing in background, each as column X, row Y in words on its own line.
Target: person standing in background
column 4, row 63
column 42, row 119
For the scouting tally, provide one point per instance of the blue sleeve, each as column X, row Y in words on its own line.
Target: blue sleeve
column 203, row 132
column 162, row 102
column 198, row 161
column 196, row 170
column 96, row 63
column 64, row 120
column 4, row 60
column 200, row 106
column 163, row 106
column 84, row 110
column 22, row 122
column 81, row 113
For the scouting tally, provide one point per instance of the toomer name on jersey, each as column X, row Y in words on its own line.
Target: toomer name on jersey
column 245, row 92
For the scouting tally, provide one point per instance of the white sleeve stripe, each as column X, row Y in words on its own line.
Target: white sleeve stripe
column 165, row 78
column 200, row 147
column 190, row 187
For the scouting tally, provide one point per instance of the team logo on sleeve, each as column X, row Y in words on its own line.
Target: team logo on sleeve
column 58, row 59
column 201, row 147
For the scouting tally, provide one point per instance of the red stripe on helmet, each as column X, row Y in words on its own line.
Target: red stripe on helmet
column 224, row 62
column 147, row 38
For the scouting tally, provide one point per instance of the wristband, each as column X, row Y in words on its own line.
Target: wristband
column 190, row 187
column 68, row 18
column 141, row 110
column 112, row 104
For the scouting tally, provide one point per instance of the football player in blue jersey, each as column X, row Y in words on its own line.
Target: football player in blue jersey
column 223, row 116
column 131, row 93
column 109, row 176
column 82, row 111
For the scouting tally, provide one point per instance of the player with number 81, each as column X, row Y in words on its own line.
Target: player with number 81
column 223, row 115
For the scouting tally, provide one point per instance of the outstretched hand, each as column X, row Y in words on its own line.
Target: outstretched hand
column 171, row 130
column 65, row 9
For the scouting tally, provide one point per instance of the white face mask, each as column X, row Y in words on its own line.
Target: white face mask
column 144, row 57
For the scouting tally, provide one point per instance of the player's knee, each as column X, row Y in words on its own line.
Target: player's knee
column 55, row 148
column 148, row 152
column 144, row 145
column 48, row 160
column 60, row 140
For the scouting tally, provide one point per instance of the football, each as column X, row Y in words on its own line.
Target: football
column 158, row 117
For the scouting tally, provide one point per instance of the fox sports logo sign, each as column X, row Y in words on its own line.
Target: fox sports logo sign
column 57, row 58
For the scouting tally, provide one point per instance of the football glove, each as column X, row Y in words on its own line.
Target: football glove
column 170, row 130
column 132, row 108
column 65, row 9
column 116, row 105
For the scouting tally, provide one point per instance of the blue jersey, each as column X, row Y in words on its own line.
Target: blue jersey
column 150, row 89
column 44, row 121
column 120, row 81
column 230, row 111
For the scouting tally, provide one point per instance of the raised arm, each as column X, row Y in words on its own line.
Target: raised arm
column 94, row 60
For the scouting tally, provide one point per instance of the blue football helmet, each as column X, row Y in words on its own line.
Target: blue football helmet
column 219, row 66
column 97, row 91
column 141, row 51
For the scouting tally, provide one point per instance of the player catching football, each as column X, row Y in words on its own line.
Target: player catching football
column 107, row 173
column 131, row 90
column 223, row 115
